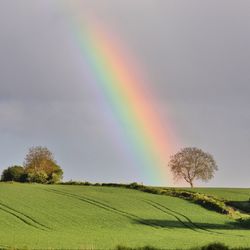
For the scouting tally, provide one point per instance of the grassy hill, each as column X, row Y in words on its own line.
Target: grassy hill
column 86, row 217
column 236, row 197
column 232, row 194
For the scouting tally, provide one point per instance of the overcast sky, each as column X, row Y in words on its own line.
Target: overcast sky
column 195, row 53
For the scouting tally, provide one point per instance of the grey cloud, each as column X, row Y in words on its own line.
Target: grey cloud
column 195, row 54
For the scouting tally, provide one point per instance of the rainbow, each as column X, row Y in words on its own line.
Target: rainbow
column 129, row 97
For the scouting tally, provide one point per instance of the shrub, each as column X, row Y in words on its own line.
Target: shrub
column 212, row 246
column 134, row 185
column 38, row 176
column 77, row 183
column 14, row 173
column 215, row 246
column 41, row 166
column 55, row 176
column 203, row 200
column 245, row 222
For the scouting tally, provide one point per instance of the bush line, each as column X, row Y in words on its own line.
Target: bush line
column 212, row 246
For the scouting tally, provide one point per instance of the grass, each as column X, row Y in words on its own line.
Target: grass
column 235, row 197
column 37, row 216
column 231, row 194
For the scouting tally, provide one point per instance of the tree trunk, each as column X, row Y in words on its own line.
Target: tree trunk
column 191, row 184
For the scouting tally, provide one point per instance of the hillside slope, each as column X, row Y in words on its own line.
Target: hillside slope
column 231, row 194
column 72, row 217
column 238, row 198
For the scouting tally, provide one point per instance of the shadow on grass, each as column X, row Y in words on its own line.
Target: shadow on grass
column 241, row 205
column 237, row 225
column 212, row 246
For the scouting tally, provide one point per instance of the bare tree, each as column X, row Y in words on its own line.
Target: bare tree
column 192, row 164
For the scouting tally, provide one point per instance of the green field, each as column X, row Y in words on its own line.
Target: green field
column 236, row 197
column 86, row 217
column 231, row 194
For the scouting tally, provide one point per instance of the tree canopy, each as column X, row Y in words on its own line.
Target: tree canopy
column 13, row 173
column 39, row 166
column 192, row 164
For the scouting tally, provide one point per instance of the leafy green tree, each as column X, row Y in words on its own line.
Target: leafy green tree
column 14, row 173
column 192, row 164
column 41, row 166
column 38, row 176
